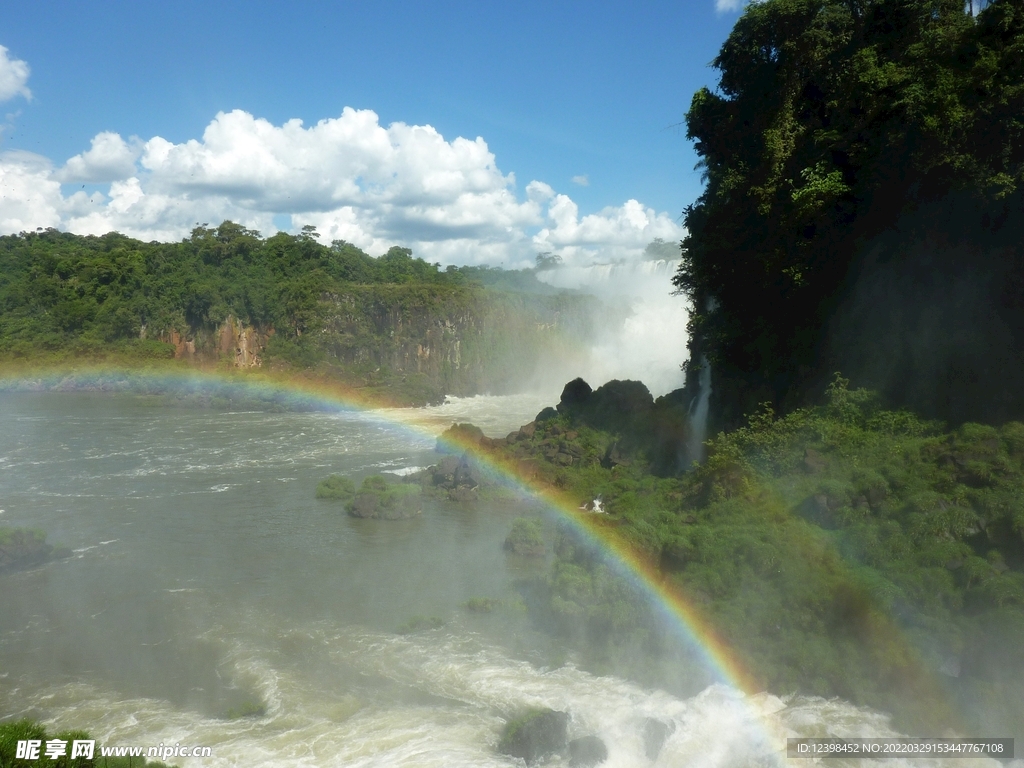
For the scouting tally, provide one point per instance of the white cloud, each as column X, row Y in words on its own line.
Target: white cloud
column 351, row 177
column 29, row 198
column 109, row 159
column 615, row 234
column 583, row 180
column 13, row 77
column 729, row 6
column 539, row 192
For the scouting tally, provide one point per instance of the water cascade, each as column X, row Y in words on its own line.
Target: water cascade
column 699, row 414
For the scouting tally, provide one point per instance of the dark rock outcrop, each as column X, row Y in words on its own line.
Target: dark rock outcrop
column 459, row 437
column 546, row 415
column 657, row 428
column 614, row 407
column 575, row 396
column 537, row 734
column 459, row 476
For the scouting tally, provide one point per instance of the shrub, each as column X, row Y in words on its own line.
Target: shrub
column 525, row 537
column 335, row 487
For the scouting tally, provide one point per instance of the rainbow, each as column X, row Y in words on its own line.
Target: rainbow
column 681, row 613
column 691, row 624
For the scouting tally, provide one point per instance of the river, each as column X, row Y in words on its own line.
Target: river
column 212, row 600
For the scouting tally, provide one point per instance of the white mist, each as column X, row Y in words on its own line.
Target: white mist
column 650, row 345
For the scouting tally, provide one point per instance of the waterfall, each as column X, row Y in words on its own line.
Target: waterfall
column 699, row 414
column 651, row 340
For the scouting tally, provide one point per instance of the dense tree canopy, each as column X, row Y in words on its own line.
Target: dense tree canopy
column 395, row 325
column 57, row 288
column 833, row 120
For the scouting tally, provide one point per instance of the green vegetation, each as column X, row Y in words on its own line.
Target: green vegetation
column 225, row 295
column 841, row 550
column 22, row 730
column 336, row 487
column 862, row 158
column 525, row 538
column 379, row 498
column 59, row 289
column 24, row 548
column 481, row 604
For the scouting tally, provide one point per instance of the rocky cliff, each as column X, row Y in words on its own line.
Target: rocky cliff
column 231, row 340
column 460, row 340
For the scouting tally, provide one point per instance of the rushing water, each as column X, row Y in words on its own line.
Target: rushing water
column 206, row 578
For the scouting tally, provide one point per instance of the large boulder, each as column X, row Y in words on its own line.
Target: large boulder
column 587, row 752
column 445, row 472
column 619, row 406
column 575, row 396
column 537, row 734
column 547, row 414
column 459, row 437
column 466, row 475
column 458, row 476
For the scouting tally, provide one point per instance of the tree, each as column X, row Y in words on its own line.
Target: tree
column 832, row 120
column 548, row 260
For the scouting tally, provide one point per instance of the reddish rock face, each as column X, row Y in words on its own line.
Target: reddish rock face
column 242, row 343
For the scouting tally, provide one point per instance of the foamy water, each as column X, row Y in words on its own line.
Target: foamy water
column 207, row 578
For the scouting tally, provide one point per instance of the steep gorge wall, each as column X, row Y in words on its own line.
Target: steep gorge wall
column 464, row 340
column 243, row 344
column 403, row 329
column 460, row 340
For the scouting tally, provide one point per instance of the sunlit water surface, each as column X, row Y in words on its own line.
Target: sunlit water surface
column 206, row 578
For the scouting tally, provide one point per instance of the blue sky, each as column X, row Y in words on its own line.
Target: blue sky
column 555, row 91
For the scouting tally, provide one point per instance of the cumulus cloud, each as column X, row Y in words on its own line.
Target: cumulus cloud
column 110, row 158
column 29, row 197
column 354, row 179
column 614, row 234
column 729, row 6
column 13, row 77
column 583, row 180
